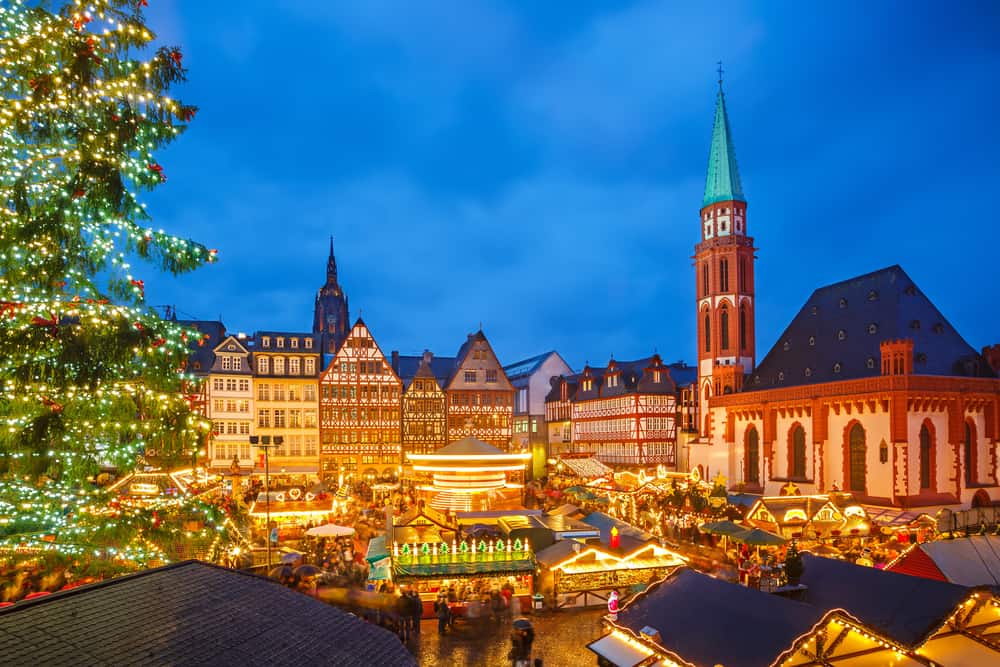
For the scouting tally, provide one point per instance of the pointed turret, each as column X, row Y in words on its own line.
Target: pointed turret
column 723, row 180
column 331, row 266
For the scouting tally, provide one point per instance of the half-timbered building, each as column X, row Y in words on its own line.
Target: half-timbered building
column 480, row 397
column 869, row 390
column 424, row 406
column 359, row 411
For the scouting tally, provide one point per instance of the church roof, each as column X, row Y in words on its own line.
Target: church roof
column 837, row 333
column 723, row 180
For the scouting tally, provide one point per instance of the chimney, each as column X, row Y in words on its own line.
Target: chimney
column 428, row 355
column 395, row 360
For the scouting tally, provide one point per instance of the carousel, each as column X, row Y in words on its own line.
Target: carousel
column 469, row 475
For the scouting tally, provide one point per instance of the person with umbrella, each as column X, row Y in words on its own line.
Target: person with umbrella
column 522, row 636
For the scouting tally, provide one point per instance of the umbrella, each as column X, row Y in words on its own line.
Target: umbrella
column 522, row 623
column 281, row 572
column 290, row 557
column 823, row 550
column 574, row 490
column 307, row 571
column 727, row 528
column 759, row 538
column 330, row 530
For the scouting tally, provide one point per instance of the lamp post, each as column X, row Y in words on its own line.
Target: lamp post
column 265, row 442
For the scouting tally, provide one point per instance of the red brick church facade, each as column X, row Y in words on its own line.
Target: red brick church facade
column 869, row 389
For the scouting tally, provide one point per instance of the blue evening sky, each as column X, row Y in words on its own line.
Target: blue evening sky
column 539, row 166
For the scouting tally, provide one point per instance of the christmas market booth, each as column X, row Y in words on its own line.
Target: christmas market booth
column 153, row 487
column 433, row 557
column 816, row 517
column 292, row 509
column 575, row 573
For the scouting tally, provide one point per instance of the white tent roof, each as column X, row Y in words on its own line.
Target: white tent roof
column 587, row 467
column 967, row 561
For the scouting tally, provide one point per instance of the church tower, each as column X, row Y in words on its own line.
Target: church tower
column 330, row 319
column 724, row 265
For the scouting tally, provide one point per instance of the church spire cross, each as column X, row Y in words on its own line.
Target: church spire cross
column 720, row 71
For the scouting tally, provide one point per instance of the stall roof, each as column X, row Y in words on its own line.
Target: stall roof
column 589, row 467
column 376, row 549
column 967, row 561
column 565, row 510
column 604, row 523
column 563, row 526
column 617, row 650
column 904, row 608
column 558, row 552
column 171, row 615
column 747, row 628
column 894, row 517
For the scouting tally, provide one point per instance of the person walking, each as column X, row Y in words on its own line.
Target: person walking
column 417, row 611
column 442, row 612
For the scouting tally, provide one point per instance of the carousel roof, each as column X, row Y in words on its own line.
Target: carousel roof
column 470, row 447
column 190, row 613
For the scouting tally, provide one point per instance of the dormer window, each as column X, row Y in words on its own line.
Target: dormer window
column 812, row 341
column 841, row 335
column 809, row 372
column 781, row 376
column 265, row 341
column 280, row 342
column 309, row 343
column 872, row 328
column 295, row 343
column 938, row 328
column 873, row 296
column 922, row 358
column 843, row 303
column 911, row 290
column 656, row 376
column 787, row 346
column 836, row 367
column 870, row 363
column 915, row 324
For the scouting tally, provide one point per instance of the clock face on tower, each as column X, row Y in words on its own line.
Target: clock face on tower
column 331, row 319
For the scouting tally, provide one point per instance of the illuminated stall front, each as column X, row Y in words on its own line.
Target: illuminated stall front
column 430, row 555
column 469, row 475
column 158, row 486
column 810, row 516
column 580, row 574
column 292, row 509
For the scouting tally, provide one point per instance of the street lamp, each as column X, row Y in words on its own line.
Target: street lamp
column 265, row 442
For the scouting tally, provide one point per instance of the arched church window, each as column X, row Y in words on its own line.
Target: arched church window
column 751, row 472
column 856, row 459
column 926, row 455
column 724, row 275
column 969, row 461
column 704, row 279
column 724, row 328
column 743, row 328
column 708, row 333
column 797, row 453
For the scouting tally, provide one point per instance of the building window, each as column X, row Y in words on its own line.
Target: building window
column 873, row 328
column 856, row 459
column 245, row 385
column 264, row 418
column 708, row 333
column 656, row 377
column 279, row 392
column 724, row 328
column 751, row 475
column 836, row 367
column 263, row 392
column 491, row 376
column 873, row 296
column 812, row 341
column 263, row 366
column 309, row 343
column 809, row 372
column 227, row 363
column 310, row 364
column 742, row 270
column 265, row 341
column 280, row 342
column 295, row 343
column 470, row 376
column 704, row 278
column 843, row 303
column 723, row 275
column 294, row 365
column 926, row 456
column 870, row 363
column 279, row 365
column 743, row 328
column 797, row 453
column 279, row 417
column 841, row 335
column 970, row 455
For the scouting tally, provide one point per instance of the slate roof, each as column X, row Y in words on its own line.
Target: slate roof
column 683, row 374
column 190, row 613
column 707, row 621
column 633, row 379
column 837, row 333
column 202, row 356
column 554, row 394
column 902, row 607
column 407, row 367
column 526, row 367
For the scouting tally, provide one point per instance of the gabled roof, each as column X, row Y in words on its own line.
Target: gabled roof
column 203, row 349
column 967, row 561
column 707, row 621
column 555, row 393
column 190, row 613
column 837, row 333
column 635, row 377
column 723, row 180
column 526, row 367
column 408, row 367
column 906, row 609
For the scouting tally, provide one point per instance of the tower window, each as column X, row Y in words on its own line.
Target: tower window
column 742, row 269
column 743, row 328
column 724, row 275
column 724, row 328
column 704, row 279
column 708, row 333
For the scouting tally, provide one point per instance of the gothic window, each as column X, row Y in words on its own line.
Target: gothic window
column 970, row 455
column 724, row 275
column 743, row 328
column 724, row 328
column 926, row 454
column 742, row 269
column 708, row 333
column 704, row 279
column 856, row 459
column 797, row 454
column 751, row 474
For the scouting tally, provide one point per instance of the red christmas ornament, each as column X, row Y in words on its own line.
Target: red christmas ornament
column 138, row 326
column 187, row 114
column 176, row 56
column 141, row 285
column 115, row 117
column 158, row 342
column 213, row 255
column 156, row 519
column 52, row 405
column 158, row 170
column 80, row 21
column 78, row 193
column 9, row 308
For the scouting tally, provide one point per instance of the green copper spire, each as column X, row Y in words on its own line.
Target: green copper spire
column 723, row 181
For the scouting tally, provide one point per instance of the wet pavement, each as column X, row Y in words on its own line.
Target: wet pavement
column 561, row 640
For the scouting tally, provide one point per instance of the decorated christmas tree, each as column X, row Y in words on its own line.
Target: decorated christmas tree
column 90, row 376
